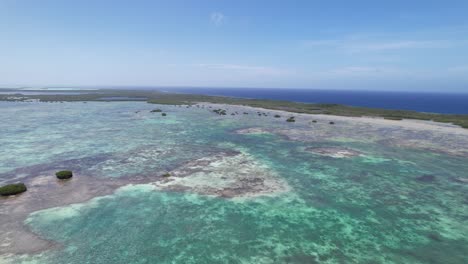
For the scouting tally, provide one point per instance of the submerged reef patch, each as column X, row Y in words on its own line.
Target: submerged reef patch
column 226, row 174
column 335, row 152
column 252, row 130
column 427, row 178
column 233, row 174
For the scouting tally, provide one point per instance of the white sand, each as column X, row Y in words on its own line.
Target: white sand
column 412, row 124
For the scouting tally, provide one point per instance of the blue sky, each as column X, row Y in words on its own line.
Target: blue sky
column 373, row 45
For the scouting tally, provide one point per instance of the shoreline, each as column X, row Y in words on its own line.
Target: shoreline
column 416, row 124
column 164, row 98
column 415, row 134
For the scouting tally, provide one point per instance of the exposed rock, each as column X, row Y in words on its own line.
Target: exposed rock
column 426, row 178
column 220, row 111
column 226, row 175
column 461, row 180
column 335, row 152
column 435, row 237
column 253, row 130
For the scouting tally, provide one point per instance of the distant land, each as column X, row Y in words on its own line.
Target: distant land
column 445, row 103
column 431, row 102
column 388, row 104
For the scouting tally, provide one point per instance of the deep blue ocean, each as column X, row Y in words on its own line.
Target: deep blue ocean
column 440, row 102
column 448, row 103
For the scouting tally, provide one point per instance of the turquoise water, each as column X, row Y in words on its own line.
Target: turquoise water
column 369, row 208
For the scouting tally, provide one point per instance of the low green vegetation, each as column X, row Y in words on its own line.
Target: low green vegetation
column 63, row 175
column 220, row 111
column 165, row 175
column 156, row 97
column 327, row 109
column 156, row 111
column 12, row 189
column 291, row 119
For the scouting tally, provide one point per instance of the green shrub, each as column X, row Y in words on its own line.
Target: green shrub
column 220, row 111
column 156, row 111
column 62, row 175
column 393, row 118
column 166, row 175
column 163, row 114
column 12, row 189
column 277, row 116
column 291, row 119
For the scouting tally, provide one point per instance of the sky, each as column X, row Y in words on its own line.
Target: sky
column 365, row 45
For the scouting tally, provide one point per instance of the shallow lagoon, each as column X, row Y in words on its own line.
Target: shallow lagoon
column 371, row 208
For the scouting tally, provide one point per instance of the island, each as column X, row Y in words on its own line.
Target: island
column 164, row 98
column 12, row 189
column 64, row 175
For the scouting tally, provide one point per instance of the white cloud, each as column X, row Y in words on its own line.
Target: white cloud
column 321, row 42
column 404, row 44
column 459, row 69
column 258, row 70
column 217, row 18
column 458, row 72
column 366, row 72
column 355, row 70
column 356, row 45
